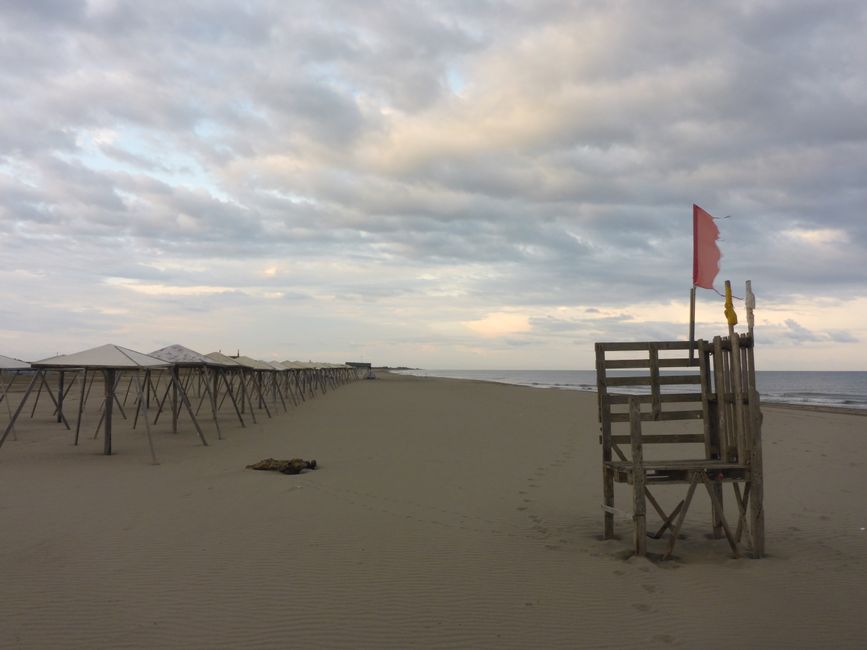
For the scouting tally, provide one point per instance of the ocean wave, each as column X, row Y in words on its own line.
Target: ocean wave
column 824, row 389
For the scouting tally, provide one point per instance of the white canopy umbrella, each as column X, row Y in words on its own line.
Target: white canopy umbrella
column 110, row 359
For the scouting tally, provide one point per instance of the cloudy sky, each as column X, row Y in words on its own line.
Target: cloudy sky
column 447, row 184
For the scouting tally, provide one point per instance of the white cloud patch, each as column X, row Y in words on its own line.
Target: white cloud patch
column 500, row 324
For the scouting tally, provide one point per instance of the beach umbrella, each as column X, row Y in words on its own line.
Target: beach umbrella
column 109, row 359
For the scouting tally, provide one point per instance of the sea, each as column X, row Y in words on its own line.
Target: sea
column 835, row 389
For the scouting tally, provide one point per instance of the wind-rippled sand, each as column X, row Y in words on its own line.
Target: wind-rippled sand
column 445, row 514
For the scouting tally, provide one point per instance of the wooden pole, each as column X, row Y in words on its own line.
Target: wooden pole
column 231, row 393
column 750, row 300
column 38, row 394
column 109, row 374
column 54, row 401
column 212, row 398
column 81, row 400
column 20, row 406
column 142, row 404
column 639, row 515
column 176, row 381
column 734, row 340
column 185, row 401
column 692, row 325
column 60, row 395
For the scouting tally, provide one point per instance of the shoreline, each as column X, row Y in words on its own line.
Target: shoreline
column 840, row 410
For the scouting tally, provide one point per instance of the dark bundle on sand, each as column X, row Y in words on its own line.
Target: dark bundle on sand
column 291, row 466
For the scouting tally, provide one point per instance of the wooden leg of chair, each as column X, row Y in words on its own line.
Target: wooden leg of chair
column 608, row 500
column 717, row 504
column 716, row 515
column 639, row 506
column 742, row 502
column 693, row 481
column 666, row 520
column 639, row 513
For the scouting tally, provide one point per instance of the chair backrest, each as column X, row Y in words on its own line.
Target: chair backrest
column 735, row 399
column 669, row 385
column 716, row 385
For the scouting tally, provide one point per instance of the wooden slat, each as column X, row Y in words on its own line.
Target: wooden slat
column 638, row 479
column 656, row 407
column 658, row 438
column 667, row 380
column 620, row 346
column 661, row 417
column 676, row 398
column 628, row 381
column 698, row 464
column 627, row 363
column 664, row 380
column 645, row 363
column 676, row 363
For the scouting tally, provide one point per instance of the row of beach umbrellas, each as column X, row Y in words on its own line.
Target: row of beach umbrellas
column 213, row 378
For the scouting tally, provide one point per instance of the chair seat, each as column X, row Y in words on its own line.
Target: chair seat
column 678, row 471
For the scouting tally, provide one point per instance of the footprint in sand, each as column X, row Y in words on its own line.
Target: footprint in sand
column 664, row 638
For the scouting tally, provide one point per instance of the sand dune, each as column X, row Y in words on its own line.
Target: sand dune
column 445, row 514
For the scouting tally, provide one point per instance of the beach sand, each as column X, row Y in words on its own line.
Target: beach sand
column 445, row 513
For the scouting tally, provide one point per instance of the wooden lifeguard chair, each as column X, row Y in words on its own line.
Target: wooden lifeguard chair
column 667, row 419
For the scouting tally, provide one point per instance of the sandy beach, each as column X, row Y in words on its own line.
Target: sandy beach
column 445, row 513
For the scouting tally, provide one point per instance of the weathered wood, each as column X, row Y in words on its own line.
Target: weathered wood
column 641, row 364
column 718, row 505
column 742, row 501
column 605, row 422
column 722, row 409
column 719, row 367
column 638, row 500
column 740, row 433
column 654, row 382
column 659, row 438
column 665, row 380
column 692, row 324
column 757, row 512
column 680, row 519
column 664, row 398
column 667, row 520
column 711, row 430
column 628, row 346
column 657, row 416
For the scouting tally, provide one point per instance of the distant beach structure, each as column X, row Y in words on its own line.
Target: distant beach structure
column 364, row 366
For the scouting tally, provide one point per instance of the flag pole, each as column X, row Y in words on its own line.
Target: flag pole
column 692, row 325
column 750, row 300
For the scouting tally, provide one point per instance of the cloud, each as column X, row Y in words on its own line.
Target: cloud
column 500, row 324
column 485, row 164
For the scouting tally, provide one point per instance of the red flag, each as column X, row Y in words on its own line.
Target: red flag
column 705, row 254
